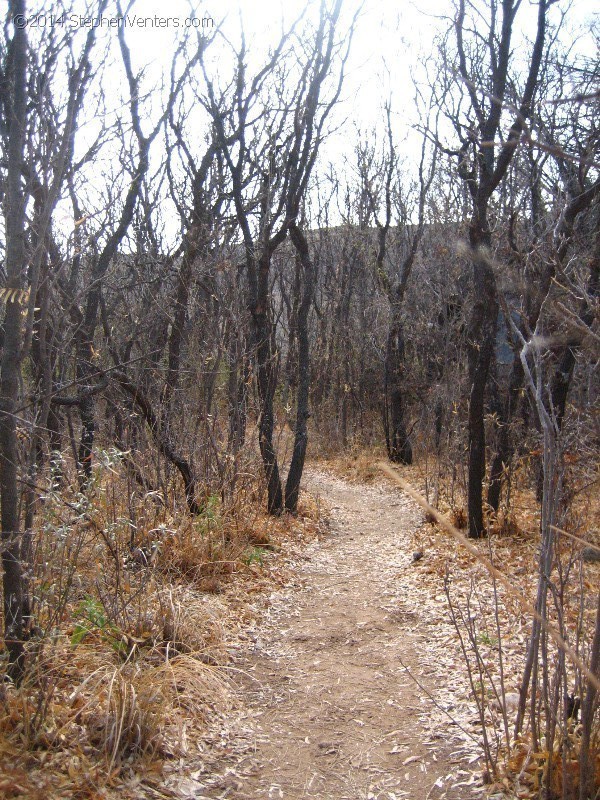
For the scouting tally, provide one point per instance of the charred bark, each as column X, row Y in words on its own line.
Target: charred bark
column 504, row 450
column 15, row 108
column 482, row 338
column 399, row 448
column 266, row 382
column 292, row 486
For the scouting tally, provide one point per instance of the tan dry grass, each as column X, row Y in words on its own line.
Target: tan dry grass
column 147, row 676
column 357, row 465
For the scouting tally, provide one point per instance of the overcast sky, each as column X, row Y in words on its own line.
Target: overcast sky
column 391, row 38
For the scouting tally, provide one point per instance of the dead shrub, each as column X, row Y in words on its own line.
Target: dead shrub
column 458, row 517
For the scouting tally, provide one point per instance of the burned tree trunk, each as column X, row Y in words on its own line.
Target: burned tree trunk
column 504, row 448
column 292, row 486
column 399, row 448
column 266, row 360
column 15, row 108
column 481, row 340
column 482, row 170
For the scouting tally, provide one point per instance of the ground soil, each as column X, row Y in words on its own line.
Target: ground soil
column 329, row 705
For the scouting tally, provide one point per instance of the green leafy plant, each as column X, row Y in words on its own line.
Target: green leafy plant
column 254, row 556
column 211, row 509
column 92, row 617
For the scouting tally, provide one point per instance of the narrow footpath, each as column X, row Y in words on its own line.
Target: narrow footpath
column 331, row 707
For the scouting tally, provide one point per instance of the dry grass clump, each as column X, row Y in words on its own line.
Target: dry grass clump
column 201, row 553
column 128, row 717
column 189, row 626
column 91, row 709
column 126, row 655
column 205, row 552
column 193, row 687
column 141, row 709
column 357, row 464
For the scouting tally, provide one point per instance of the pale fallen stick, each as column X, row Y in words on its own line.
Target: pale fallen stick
column 526, row 606
column 576, row 538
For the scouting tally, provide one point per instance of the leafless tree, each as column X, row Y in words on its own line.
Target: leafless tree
column 270, row 151
column 482, row 66
column 384, row 188
column 29, row 252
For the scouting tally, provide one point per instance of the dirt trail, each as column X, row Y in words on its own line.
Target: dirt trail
column 331, row 712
